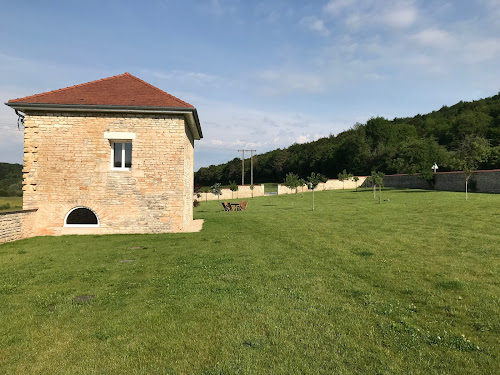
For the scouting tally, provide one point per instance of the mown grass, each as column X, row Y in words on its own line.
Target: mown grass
column 407, row 286
column 11, row 203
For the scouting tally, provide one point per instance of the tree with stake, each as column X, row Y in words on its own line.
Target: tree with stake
column 312, row 182
column 377, row 178
column 471, row 151
column 322, row 179
column 342, row 177
column 302, row 183
column 205, row 190
column 217, row 190
column 251, row 188
column 356, row 179
column 292, row 182
column 233, row 187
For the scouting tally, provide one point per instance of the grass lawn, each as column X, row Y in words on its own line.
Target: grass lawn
column 409, row 286
column 11, row 203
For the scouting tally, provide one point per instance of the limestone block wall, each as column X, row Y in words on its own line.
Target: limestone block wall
column 487, row 181
column 244, row 191
column 16, row 225
column 332, row 184
column 67, row 164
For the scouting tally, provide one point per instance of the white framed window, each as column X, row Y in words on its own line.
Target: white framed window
column 81, row 217
column 121, row 155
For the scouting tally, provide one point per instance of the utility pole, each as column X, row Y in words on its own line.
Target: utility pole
column 243, row 166
column 251, row 167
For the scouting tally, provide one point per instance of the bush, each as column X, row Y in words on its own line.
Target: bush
column 5, row 206
column 196, row 203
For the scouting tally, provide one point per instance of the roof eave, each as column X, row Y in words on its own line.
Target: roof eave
column 190, row 114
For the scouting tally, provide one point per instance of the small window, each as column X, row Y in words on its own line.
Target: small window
column 81, row 217
column 121, row 155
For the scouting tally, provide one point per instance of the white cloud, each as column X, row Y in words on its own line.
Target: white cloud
column 434, row 37
column 334, row 7
column 315, row 24
column 401, row 17
column 279, row 82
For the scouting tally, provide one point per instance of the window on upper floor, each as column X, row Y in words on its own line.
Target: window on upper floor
column 121, row 155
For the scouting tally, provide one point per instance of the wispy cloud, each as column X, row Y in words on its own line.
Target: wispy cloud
column 435, row 38
column 315, row 24
column 279, row 82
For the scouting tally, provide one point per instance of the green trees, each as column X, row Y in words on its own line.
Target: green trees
column 345, row 176
column 418, row 155
column 312, row 182
column 402, row 145
column 471, row 151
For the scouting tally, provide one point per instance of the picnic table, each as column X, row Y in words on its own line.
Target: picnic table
column 240, row 206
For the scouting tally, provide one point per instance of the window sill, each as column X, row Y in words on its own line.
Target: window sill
column 81, row 226
column 121, row 169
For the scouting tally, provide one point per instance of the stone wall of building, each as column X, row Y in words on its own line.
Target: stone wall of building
column 16, row 225
column 68, row 164
column 481, row 181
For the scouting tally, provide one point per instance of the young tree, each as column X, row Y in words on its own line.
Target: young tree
column 313, row 181
column 377, row 178
column 292, row 182
column 251, row 188
column 302, row 183
column 216, row 189
column 322, row 179
column 342, row 177
column 471, row 151
column 356, row 179
column 205, row 190
column 233, row 186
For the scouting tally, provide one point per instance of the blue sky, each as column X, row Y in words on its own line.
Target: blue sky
column 262, row 74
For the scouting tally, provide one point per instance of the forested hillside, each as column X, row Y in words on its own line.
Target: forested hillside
column 11, row 176
column 403, row 145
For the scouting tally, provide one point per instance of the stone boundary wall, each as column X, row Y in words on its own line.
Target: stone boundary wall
column 333, row 184
column 244, row 191
column 15, row 225
column 481, row 181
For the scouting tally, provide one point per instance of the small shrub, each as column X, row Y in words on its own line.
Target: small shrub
column 196, row 203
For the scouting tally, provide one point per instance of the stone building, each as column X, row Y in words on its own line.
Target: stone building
column 108, row 156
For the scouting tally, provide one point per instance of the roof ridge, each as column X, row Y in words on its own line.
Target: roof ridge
column 70, row 87
column 160, row 90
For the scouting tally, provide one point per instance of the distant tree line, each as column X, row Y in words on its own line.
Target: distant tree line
column 402, row 145
column 11, row 176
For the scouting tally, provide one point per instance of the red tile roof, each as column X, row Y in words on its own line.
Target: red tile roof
column 120, row 90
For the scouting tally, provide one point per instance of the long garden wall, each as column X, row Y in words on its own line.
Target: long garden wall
column 481, row 181
column 244, row 191
column 16, row 225
column 333, row 184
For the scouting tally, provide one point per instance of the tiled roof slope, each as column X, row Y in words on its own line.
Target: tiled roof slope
column 120, row 90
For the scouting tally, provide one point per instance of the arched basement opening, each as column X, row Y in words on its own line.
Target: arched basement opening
column 81, row 217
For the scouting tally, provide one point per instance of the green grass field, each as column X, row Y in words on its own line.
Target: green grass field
column 409, row 286
column 11, row 203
